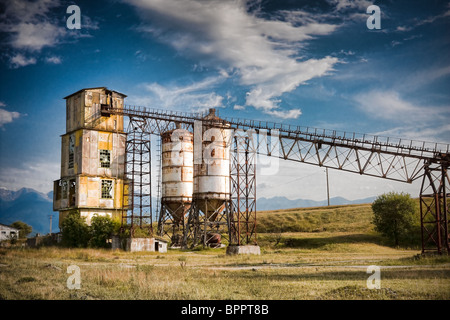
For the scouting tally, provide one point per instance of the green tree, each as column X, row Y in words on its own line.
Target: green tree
column 101, row 230
column 75, row 231
column 24, row 229
column 395, row 216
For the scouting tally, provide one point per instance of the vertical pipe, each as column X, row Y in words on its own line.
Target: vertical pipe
column 328, row 187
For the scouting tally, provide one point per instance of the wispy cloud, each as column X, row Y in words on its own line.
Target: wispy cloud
column 412, row 120
column 262, row 52
column 37, row 175
column 196, row 96
column 417, row 22
column 31, row 26
column 19, row 60
column 53, row 60
column 7, row 116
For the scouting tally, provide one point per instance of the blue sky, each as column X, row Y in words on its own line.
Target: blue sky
column 310, row 63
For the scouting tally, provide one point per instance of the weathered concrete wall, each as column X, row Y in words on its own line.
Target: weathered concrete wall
column 145, row 244
column 244, row 250
column 87, row 146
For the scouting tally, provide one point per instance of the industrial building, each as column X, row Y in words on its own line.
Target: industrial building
column 92, row 157
column 206, row 177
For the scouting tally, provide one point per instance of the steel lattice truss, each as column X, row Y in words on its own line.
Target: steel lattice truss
column 242, row 227
column 434, row 208
column 137, row 210
column 394, row 159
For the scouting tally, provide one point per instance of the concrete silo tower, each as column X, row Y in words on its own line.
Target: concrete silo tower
column 211, row 199
column 92, row 156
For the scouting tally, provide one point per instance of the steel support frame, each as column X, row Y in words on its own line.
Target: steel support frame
column 169, row 226
column 392, row 159
column 242, row 220
column 434, row 208
column 137, row 190
column 201, row 228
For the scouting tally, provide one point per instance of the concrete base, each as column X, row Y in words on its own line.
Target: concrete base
column 244, row 250
column 140, row 244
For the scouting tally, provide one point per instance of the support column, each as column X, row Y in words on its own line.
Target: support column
column 434, row 208
column 243, row 195
column 137, row 210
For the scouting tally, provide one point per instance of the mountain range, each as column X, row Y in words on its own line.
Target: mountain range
column 34, row 208
column 276, row 203
column 29, row 206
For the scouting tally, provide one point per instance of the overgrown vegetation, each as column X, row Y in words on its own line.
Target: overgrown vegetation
column 77, row 234
column 396, row 217
column 24, row 229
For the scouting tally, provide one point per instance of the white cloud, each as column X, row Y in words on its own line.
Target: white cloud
column 19, row 60
column 344, row 5
column 388, row 105
column 416, row 122
column 263, row 53
column 440, row 133
column 54, row 60
column 38, row 175
column 417, row 23
column 31, row 26
column 195, row 97
column 7, row 116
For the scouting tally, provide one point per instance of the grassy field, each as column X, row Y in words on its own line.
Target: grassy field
column 318, row 253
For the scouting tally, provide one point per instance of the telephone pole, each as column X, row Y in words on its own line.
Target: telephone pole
column 51, row 217
column 328, row 187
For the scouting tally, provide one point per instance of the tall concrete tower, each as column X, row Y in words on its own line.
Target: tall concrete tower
column 92, row 156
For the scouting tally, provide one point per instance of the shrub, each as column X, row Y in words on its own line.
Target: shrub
column 395, row 217
column 101, row 230
column 24, row 229
column 75, row 231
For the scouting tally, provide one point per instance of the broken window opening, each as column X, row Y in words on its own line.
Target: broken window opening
column 71, row 150
column 105, row 158
column 72, row 196
column 107, row 189
column 63, row 189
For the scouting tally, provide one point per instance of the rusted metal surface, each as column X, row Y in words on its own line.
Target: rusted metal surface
column 137, row 209
column 177, row 167
column 210, row 207
column 212, row 175
column 388, row 158
column 434, row 208
column 242, row 230
column 177, row 182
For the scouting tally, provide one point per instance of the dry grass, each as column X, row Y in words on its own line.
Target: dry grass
column 329, row 263
column 41, row 274
column 354, row 218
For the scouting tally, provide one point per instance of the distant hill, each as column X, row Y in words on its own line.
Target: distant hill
column 34, row 208
column 29, row 206
column 276, row 203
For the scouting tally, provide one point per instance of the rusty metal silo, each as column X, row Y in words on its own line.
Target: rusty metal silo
column 212, row 175
column 211, row 194
column 177, row 182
